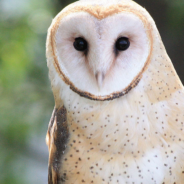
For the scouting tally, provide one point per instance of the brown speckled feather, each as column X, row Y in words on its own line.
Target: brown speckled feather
column 57, row 137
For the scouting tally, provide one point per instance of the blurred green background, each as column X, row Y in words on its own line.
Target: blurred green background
column 26, row 100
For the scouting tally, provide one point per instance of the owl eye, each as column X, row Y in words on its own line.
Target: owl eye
column 80, row 44
column 122, row 44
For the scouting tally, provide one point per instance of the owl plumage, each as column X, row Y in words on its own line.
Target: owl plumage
column 119, row 104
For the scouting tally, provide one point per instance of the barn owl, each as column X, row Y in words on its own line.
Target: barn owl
column 119, row 104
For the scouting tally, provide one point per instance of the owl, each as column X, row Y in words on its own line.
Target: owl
column 119, row 103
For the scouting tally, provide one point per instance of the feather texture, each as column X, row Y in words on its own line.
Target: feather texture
column 57, row 138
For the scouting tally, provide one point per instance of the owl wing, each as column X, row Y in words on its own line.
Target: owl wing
column 57, row 137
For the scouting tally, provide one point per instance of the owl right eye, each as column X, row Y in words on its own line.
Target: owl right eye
column 80, row 44
column 122, row 44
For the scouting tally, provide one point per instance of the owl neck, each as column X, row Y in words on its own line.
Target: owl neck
column 120, row 126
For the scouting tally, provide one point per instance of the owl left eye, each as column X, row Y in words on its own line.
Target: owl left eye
column 80, row 44
column 122, row 44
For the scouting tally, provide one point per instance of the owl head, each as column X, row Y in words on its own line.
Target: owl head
column 102, row 49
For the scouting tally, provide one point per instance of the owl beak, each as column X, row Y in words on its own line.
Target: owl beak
column 100, row 78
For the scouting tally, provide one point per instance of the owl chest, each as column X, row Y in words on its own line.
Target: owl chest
column 108, row 151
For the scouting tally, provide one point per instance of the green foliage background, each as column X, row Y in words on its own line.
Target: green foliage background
column 26, row 100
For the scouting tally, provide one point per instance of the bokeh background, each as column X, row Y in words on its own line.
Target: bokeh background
column 26, row 100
